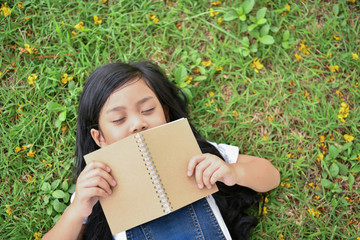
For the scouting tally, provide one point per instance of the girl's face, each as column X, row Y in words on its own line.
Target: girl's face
column 132, row 108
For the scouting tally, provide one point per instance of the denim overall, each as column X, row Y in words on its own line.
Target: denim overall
column 195, row 221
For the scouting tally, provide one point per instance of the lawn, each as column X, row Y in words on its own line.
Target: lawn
column 280, row 79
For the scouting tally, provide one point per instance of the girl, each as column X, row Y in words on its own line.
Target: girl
column 121, row 99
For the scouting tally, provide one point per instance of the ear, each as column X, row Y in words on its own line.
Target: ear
column 98, row 137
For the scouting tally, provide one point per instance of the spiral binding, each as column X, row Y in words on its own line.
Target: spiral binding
column 153, row 173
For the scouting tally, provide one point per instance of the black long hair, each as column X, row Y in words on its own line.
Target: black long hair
column 232, row 201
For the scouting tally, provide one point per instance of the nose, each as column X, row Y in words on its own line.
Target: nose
column 138, row 124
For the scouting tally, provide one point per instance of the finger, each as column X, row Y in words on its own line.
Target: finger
column 98, row 172
column 217, row 175
column 199, row 170
column 193, row 162
column 85, row 176
column 95, row 192
column 208, row 174
column 96, row 164
column 98, row 182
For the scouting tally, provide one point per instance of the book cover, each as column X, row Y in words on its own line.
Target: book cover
column 150, row 169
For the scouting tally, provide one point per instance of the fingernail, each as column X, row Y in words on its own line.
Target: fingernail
column 108, row 169
column 200, row 186
column 113, row 182
column 189, row 173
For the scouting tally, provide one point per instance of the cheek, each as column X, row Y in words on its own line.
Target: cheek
column 112, row 133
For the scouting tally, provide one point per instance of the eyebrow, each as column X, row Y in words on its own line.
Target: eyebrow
column 141, row 101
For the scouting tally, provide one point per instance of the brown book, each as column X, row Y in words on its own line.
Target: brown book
column 150, row 169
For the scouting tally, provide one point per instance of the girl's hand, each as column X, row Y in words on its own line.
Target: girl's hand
column 93, row 182
column 209, row 169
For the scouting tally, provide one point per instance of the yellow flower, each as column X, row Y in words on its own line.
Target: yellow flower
column 29, row 178
column 211, row 102
column 17, row 149
column 348, row 138
column 355, row 56
column 314, row 212
column 298, row 57
column 5, row 10
column 265, row 210
column 104, row 1
column 343, row 112
column 358, row 158
column 235, row 113
column 287, row 7
column 32, row 78
column 256, row 65
column 37, row 235
column 153, row 17
column 265, row 137
column 216, row 3
column 8, row 209
column 341, row 95
column 65, row 79
column 20, row 5
column 211, row 93
column 331, row 79
column 220, row 20
column 97, row 21
column 306, row 94
column 304, row 48
column 63, row 128
column 270, row 118
column 28, row 48
column 329, row 54
column 31, row 153
column 320, row 157
column 334, row 68
column 80, row 25
column 336, row 37
column 206, row 63
column 188, row 79
column 290, row 155
column 311, row 185
column 213, row 13
column 322, row 138
column 46, row 164
column 74, row 33
column 281, row 237
column 218, row 69
column 196, row 70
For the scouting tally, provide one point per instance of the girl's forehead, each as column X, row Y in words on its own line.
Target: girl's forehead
column 134, row 83
column 130, row 91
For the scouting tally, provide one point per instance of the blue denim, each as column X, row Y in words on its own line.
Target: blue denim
column 195, row 221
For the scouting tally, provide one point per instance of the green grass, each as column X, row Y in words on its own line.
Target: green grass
column 290, row 102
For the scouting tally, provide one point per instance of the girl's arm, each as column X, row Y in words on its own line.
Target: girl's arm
column 69, row 226
column 94, row 181
column 252, row 172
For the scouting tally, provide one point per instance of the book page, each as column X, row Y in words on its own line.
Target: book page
column 133, row 200
column 172, row 147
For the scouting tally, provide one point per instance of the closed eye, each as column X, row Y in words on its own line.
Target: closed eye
column 148, row 110
column 119, row 120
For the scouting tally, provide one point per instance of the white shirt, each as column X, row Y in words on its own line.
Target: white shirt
column 230, row 154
